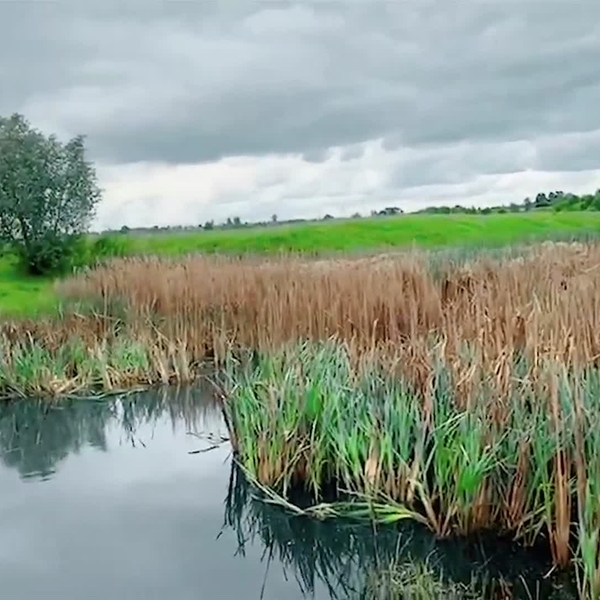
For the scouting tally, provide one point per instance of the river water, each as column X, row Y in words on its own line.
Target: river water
column 136, row 498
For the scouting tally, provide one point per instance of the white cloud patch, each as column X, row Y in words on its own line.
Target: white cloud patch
column 355, row 179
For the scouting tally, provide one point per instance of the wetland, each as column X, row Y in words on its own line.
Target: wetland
column 374, row 418
column 137, row 497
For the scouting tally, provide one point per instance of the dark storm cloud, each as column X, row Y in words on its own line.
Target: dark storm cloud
column 183, row 82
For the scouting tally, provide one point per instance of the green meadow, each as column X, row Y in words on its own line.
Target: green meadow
column 367, row 234
column 22, row 295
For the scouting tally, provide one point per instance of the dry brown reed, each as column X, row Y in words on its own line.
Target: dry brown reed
column 544, row 304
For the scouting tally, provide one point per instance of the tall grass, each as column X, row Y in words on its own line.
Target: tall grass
column 522, row 463
column 157, row 320
column 546, row 299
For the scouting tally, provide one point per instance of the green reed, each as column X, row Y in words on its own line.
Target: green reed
column 310, row 415
column 32, row 368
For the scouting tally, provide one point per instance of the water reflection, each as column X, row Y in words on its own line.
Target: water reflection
column 358, row 561
column 36, row 436
column 103, row 500
column 109, row 500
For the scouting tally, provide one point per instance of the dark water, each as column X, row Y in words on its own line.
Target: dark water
column 112, row 500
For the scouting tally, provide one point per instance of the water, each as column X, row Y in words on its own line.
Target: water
column 137, row 498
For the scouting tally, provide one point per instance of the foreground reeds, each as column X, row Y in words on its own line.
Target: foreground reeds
column 526, row 463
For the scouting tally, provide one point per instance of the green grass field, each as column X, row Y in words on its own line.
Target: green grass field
column 367, row 234
column 21, row 295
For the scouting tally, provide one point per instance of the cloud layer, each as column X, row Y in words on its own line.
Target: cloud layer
column 208, row 110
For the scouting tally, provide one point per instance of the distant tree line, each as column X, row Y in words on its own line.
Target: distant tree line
column 556, row 200
column 237, row 223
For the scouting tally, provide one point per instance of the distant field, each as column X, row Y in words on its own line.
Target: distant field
column 20, row 295
column 365, row 234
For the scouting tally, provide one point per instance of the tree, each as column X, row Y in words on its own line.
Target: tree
column 48, row 195
column 541, row 201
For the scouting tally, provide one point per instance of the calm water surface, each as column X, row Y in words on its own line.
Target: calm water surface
column 113, row 500
column 101, row 502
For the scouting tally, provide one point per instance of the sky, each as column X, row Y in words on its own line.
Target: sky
column 209, row 109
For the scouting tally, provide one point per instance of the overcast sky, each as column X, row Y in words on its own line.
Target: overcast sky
column 219, row 108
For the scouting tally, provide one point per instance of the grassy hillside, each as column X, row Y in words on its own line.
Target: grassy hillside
column 381, row 232
column 23, row 295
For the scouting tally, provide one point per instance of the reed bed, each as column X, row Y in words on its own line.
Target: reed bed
column 141, row 321
column 526, row 463
column 461, row 393
column 546, row 300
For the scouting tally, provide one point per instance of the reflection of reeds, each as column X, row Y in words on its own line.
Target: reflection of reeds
column 355, row 561
column 36, row 436
column 313, row 415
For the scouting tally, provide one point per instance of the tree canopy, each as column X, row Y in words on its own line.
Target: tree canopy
column 48, row 195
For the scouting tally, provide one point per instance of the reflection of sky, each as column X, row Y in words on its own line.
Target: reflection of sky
column 129, row 523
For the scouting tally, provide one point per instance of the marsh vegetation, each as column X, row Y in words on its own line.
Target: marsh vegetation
column 458, row 391
column 83, row 476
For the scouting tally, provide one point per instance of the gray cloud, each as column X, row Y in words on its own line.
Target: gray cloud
column 189, row 82
column 304, row 108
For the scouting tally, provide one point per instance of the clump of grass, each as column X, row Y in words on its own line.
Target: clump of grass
column 31, row 369
column 107, row 356
column 311, row 416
